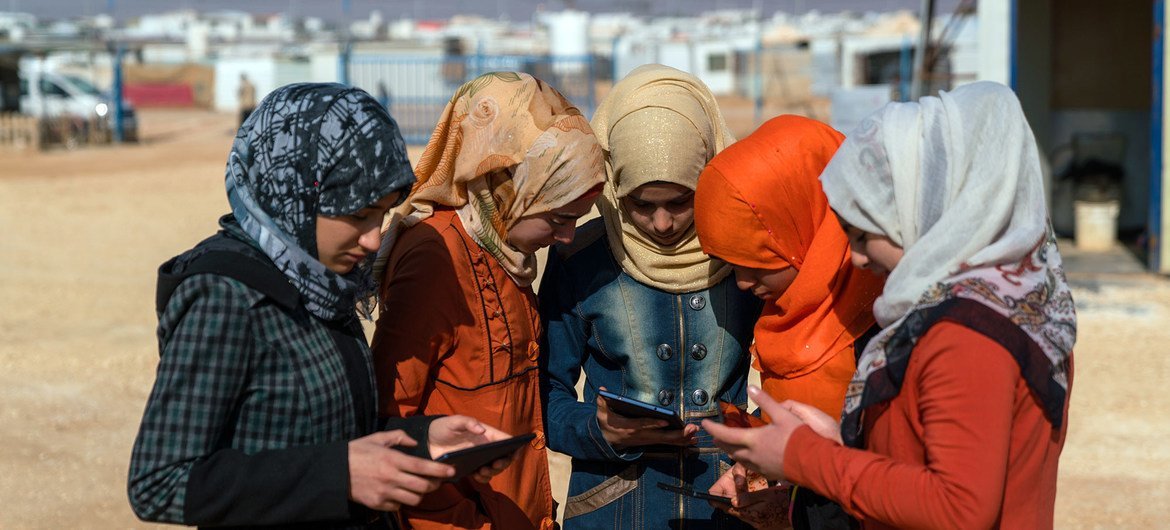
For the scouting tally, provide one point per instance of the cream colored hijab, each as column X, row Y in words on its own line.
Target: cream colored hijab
column 658, row 124
column 955, row 181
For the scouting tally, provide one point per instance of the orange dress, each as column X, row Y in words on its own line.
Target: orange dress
column 965, row 444
column 459, row 336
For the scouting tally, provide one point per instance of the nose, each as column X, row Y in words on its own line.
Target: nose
column 662, row 221
column 743, row 281
column 564, row 234
column 859, row 260
column 371, row 239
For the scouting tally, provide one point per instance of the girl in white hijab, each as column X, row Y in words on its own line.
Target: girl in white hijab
column 958, row 411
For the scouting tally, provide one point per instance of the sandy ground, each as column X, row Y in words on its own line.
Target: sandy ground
column 84, row 231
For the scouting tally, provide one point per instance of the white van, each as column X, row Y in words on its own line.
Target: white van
column 51, row 94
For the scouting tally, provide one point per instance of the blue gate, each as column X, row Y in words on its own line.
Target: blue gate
column 416, row 89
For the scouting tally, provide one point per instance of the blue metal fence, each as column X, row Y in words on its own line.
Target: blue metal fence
column 416, row 89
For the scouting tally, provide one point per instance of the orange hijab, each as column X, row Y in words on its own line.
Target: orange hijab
column 759, row 204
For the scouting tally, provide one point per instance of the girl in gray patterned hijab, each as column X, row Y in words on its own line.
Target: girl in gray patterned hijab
column 309, row 150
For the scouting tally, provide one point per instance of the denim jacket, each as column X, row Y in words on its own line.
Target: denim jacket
column 681, row 351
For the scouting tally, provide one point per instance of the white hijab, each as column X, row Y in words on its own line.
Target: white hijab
column 955, row 181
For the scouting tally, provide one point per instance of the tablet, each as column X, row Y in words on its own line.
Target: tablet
column 467, row 461
column 632, row 408
column 691, row 492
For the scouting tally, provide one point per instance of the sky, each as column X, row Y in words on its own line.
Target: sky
column 442, row 9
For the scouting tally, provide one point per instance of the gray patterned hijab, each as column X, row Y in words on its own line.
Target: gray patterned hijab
column 313, row 149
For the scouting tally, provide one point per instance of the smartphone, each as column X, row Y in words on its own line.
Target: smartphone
column 691, row 492
column 633, row 408
column 466, row 461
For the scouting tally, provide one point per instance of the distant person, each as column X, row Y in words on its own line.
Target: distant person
column 246, row 93
column 384, row 97
column 263, row 410
column 510, row 168
column 958, row 412
column 636, row 304
column 760, row 207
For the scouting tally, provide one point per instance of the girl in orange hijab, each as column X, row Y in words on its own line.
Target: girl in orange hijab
column 760, row 207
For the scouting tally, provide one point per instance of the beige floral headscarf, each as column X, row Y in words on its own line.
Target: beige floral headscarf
column 658, row 124
column 507, row 146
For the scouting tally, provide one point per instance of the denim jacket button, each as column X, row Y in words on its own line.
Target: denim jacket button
column 665, row 397
column 699, row 397
column 698, row 351
column 664, row 352
column 698, row 302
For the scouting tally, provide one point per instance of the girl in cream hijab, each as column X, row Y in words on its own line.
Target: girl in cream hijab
column 637, row 305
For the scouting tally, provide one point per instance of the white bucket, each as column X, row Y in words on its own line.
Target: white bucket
column 1096, row 225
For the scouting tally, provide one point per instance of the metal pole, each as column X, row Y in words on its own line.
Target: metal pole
column 343, row 63
column 926, row 16
column 116, row 93
column 591, row 78
column 759, row 106
column 346, row 45
column 613, row 62
column 905, row 71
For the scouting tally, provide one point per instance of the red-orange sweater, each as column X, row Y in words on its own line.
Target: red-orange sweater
column 964, row 445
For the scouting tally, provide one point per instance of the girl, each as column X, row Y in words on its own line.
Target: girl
column 637, row 304
column 509, row 169
column 958, row 411
column 263, row 412
column 760, row 207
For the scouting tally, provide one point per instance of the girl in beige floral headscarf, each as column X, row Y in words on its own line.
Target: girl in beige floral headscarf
column 507, row 146
column 509, row 169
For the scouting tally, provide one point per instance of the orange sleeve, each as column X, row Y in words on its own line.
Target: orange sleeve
column 414, row 329
column 966, row 386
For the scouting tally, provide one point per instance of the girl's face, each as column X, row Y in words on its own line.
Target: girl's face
column 872, row 251
column 766, row 284
column 534, row 232
column 663, row 211
column 343, row 242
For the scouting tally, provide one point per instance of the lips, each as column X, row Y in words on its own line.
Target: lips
column 667, row 239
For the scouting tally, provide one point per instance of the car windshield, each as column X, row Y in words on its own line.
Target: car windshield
column 84, row 85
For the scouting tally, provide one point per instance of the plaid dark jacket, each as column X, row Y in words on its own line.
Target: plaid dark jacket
column 250, row 415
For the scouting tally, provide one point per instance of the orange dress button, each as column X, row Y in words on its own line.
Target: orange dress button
column 533, row 351
column 538, row 442
column 548, row 523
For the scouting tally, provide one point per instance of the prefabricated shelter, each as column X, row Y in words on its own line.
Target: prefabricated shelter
column 1091, row 81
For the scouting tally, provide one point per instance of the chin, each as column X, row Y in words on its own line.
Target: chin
column 341, row 269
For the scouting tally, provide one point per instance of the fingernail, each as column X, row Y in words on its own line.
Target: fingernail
column 753, row 390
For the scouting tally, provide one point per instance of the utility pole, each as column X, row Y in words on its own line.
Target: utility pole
column 926, row 16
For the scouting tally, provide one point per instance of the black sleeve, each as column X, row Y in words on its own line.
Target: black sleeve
column 302, row 484
column 417, row 428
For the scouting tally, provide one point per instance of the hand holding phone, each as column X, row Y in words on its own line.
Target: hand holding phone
column 632, row 408
column 692, row 492
column 469, row 460
column 753, row 499
column 642, row 426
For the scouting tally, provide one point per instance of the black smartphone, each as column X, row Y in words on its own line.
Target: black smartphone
column 466, row 461
column 692, row 492
column 633, row 408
